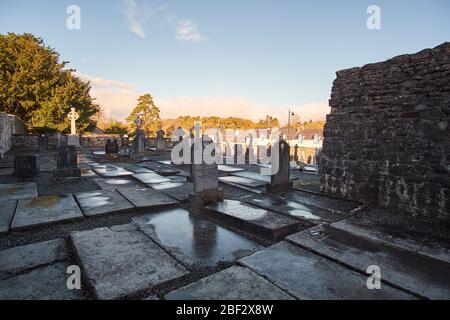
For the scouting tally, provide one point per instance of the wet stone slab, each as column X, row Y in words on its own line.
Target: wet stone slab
column 102, row 202
column 88, row 173
column 115, row 183
column 235, row 283
column 122, row 262
column 193, row 240
column 242, row 181
column 7, row 209
column 20, row 259
column 416, row 273
column 312, row 214
column 377, row 227
column 43, row 210
column 228, row 169
column 111, row 171
column 181, row 193
column 143, row 198
column 257, row 221
column 166, row 185
column 16, row 191
column 44, row 283
column 252, row 175
column 323, row 201
column 309, row 276
column 150, row 178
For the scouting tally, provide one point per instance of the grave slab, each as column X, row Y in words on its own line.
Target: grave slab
column 88, row 173
column 6, row 171
column 20, row 259
column 150, row 178
column 235, row 283
column 243, row 181
column 309, row 276
column 228, row 169
column 44, row 283
column 123, row 263
column 116, row 183
column 258, row 221
column 193, row 240
column 143, row 198
column 7, row 209
column 421, row 275
column 165, row 185
column 252, row 175
column 323, row 201
column 376, row 227
column 309, row 213
column 16, row 191
column 102, row 202
column 180, row 193
column 165, row 162
column 43, row 210
column 112, row 171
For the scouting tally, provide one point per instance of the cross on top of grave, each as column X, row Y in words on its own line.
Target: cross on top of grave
column 138, row 120
column 73, row 116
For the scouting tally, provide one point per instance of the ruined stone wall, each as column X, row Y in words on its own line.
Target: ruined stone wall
column 9, row 125
column 387, row 138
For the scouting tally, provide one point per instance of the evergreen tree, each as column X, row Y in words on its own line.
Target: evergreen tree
column 151, row 120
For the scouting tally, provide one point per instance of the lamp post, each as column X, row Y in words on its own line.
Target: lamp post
column 289, row 123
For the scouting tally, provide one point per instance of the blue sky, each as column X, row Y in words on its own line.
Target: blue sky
column 243, row 58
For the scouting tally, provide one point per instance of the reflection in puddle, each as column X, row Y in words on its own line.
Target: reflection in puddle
column 238, row 209
column 94, row 202
column 290, row 207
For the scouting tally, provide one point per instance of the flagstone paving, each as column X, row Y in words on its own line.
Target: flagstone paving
column 44, row 283
column 144, row 198
column 115, row 183
column 122, row 262
column 309, row 276
column 102, row 202
column 255, row 220
column 416, row 273
column 235, row 283
column 193, row 240
column 7, row 209
column 16, row 191
column 43, row 210
column 20, row 259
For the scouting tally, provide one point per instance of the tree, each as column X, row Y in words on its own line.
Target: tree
column 36, row 87
column 116, row 127
column 151, row 120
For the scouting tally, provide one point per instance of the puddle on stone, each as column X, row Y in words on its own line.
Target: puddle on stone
column 238, row 209
column 166, row 185
column 94, row 202
column 195, row 240
column 290, row 207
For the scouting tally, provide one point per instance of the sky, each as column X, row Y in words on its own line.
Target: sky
column 239, row 58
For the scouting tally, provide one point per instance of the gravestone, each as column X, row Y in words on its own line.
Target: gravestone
column 47, row 161
column 125, row 141
column 112, row 149
column 25, row 166
column 296, row 153
column 160, row 147
column 67, row 163
column 280, row 182
column 73, row 139
column 139, row 138
column 204, row 177
column 43, row 142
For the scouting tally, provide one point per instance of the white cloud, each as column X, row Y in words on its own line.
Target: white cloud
column 186, row 30
column 105, row 83
column 134, row 17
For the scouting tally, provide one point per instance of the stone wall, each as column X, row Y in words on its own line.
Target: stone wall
column 98, row 140
column 9, row 125
column 387, row 138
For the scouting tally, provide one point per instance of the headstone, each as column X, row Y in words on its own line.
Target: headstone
column 160, row 147
column 67, row 163
column 25, row 166
column 43, row 142
column 139, row 141
column 296, row 152
column 73, row 139
column 125, row 141
column 204, row 177
column 280, row 182
column 112, row 149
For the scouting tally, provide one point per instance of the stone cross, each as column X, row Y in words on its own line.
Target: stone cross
column 73, row 116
